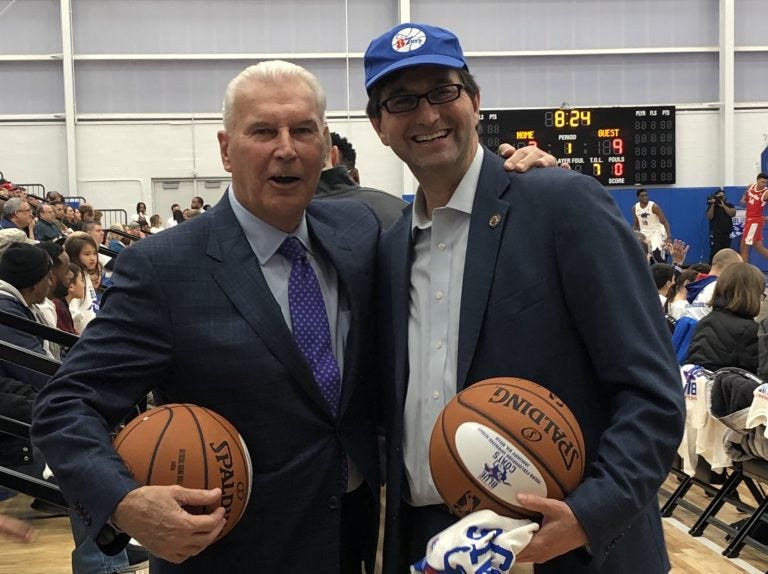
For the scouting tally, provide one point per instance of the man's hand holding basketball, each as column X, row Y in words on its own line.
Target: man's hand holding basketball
column 523, row 159
column 164, row 521
column 560, row 532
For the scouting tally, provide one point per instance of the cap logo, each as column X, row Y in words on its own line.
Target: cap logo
column 408, row 40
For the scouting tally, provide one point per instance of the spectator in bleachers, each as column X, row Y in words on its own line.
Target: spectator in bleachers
column 134, row 228
column 700, row 291
column 676, row 302
column 17, row 214
column 46, row 310
column 83, row 213
column 82, row 250
column 155, row 224
column 663, row 277
column 46, row 228
column 115, row 241
column 176, row 216
column 95, row 230
column 25, row 278
column 197, row 203
column 141, row 216
column 53, row 196
column 727, row 337
column 75, row 290
column 69, row 217
column 59, row 211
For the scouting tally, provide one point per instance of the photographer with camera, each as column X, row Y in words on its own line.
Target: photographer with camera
column 720, row 215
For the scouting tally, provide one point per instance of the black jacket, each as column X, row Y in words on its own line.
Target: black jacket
column 335, row 183
column 724, row 339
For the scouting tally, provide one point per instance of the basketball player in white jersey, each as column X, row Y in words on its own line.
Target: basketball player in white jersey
column 648, row 219
column 754, row 198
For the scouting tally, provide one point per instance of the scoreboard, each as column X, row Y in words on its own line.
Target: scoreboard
column 618, row 146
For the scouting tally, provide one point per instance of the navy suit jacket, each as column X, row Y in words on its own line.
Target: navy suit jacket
column 556, row 290
column 191, row 317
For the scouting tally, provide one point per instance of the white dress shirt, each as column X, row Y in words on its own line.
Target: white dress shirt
column 440, row 249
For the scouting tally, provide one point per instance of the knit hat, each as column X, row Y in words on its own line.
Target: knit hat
column 24, row 265
column 409, row 45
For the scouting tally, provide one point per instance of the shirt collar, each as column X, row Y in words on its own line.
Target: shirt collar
column 461, row 200
column 265, row 239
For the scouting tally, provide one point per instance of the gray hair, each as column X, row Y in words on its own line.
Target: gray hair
column 273, row 71
column 12, row 206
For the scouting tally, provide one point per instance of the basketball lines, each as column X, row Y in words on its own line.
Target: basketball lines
column 737, row 562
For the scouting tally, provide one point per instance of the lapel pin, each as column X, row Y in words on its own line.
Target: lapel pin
column 494, row 220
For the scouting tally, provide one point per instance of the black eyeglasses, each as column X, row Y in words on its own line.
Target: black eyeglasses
column 435, row 96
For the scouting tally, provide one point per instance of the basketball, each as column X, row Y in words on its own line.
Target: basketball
column 501, row 437
column 190, row 446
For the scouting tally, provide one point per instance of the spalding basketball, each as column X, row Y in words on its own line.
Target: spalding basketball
column 190, row 446
column 501, row 437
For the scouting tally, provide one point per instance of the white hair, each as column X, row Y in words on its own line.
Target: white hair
column 273, row 71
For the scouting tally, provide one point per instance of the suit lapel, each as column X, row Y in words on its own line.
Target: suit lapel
column 238, row 274
column 485, row 233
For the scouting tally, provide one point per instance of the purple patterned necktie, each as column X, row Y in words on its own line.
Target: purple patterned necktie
column 310, row 322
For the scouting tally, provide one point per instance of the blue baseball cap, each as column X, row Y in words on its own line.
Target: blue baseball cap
column 408, row 45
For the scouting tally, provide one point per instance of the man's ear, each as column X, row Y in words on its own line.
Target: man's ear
column 334, row 155
column 376, row 123
column 223, row 138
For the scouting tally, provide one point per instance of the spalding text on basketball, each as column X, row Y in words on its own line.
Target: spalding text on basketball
column 548, row 427
column 224, row 458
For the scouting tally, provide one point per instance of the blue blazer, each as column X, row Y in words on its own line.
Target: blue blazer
column 191, row 317
column 557, row 292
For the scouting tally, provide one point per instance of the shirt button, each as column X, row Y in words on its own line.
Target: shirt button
column 441, row 246
column 435, row 395
column 439, row 345
column 333, row 502
column 439, row 295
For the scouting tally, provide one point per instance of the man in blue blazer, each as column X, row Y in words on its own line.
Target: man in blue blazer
column 201, row 314
column 533, row 275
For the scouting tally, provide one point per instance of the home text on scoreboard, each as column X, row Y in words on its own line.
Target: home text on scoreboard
column 618, row 146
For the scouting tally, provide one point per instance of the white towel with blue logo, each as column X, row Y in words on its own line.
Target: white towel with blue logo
column 481, row 542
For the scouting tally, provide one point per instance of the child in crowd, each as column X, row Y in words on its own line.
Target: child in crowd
column 83, row 251
column 65, row 296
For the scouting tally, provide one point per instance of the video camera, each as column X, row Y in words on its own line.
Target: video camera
column 716, row 197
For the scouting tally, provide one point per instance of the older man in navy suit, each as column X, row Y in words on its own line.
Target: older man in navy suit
column 532, row 275
column 207, row 313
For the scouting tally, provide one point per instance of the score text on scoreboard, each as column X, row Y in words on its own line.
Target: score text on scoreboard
column 618, row 146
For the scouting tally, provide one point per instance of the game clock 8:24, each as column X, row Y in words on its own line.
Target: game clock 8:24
column 617, row 146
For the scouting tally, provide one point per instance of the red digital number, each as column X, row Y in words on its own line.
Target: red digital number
column 618, row 146
column 618, row 169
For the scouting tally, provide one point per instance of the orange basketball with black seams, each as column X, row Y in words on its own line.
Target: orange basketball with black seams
column 501, row 437
column 193, row 447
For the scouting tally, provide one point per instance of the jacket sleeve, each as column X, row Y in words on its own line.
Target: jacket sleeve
column 615, row 308
column 119, row 358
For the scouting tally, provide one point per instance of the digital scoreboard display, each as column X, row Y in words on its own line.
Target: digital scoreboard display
column 618, row 146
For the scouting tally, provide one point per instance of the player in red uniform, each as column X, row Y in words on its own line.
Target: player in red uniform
column 755, row 198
